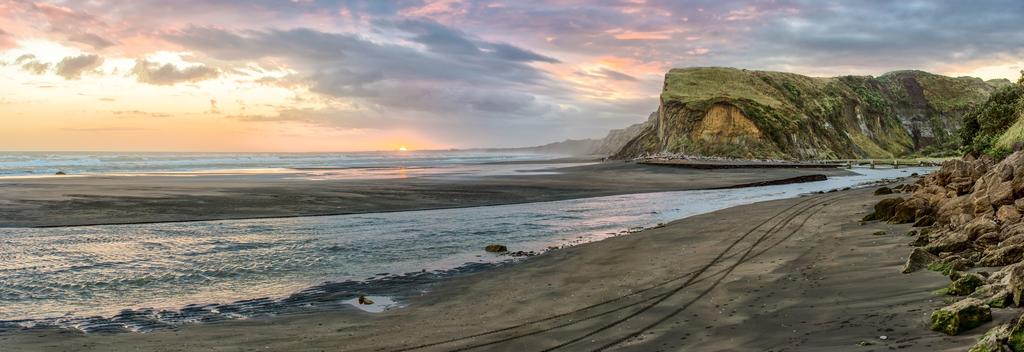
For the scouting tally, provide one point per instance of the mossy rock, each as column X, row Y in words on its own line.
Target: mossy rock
column 961, row 316
column 993, row 340
column 946, row 268
column 883, row 191
column 965, row 285
column 1016, row 335
column 496, row 248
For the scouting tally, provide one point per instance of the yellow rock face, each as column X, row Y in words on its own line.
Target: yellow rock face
column 725, row 124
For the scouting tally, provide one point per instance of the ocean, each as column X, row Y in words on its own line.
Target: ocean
column 23, row 164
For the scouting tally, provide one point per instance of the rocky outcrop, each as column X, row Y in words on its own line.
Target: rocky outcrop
column 715, row 111
column 975, row 209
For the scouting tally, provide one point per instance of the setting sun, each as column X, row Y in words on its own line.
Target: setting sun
column 403, row 149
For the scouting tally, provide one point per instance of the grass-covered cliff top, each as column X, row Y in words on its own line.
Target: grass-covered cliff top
column 776, row 89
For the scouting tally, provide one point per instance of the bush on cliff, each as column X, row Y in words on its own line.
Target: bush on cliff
column 994, row 127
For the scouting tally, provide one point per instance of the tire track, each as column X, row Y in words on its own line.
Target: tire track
column 714, row 285
column 692, row 275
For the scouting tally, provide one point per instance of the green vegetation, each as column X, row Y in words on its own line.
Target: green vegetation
column 996, row 125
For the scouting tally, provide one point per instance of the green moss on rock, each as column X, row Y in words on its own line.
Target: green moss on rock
column 965, row 285
column 961, row 316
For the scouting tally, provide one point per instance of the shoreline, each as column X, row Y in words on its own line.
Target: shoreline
column 775, row 182
column 90, row 201
column 521, row 285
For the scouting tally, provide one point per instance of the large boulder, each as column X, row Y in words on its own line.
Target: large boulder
column 918, row 259
column 908, row 210
column 961, row 316
column 885, row 209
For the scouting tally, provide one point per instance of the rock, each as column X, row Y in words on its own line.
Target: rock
column 918, row 259
column 965, row 285
column 1008, row 215
column 907, row 211
column 60, row 173
column 961, row 316
column 1015, row 283
column 925, row 221
column 885, row 209
column 1019, row 204
column 1004, row 255
column 1001, row 193
column 496, row 248
column 948, row 241
column 1016, row 335
column 988, row 240
column 994, row 340
column 365, row 300
column 883, row 191
column 920, row 241
column 979, row 226
column 880, row 233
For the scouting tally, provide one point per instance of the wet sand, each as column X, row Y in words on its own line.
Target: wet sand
column 789, row 275
column 91, row 200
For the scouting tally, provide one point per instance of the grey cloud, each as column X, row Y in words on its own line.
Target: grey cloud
column 25, row 58
column 458, row 77
column 72, row 67
column 36, row 67
column 93, row 40
column 29, row 63
column 168, row 74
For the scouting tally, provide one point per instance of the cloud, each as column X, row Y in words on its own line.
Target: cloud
column 168, row 74
column 607, row 73
column 35, row 67
column 451, row 75
column 93, row 40
column 72, row 67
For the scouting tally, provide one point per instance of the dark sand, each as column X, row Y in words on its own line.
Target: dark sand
column 789, row 275
column 91, row 200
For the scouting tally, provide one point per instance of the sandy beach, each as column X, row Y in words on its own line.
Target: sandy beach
column 91, row 200
column 798, row 274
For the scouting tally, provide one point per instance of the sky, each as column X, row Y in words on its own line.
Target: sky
column 346, row 75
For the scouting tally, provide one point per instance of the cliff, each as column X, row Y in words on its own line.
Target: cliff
column 716, row 111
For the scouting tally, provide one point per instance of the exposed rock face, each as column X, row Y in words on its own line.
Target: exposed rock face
column 730, row 112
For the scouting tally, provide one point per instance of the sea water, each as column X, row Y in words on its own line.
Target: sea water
column 172, row 273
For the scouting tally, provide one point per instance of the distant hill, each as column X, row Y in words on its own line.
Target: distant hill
column 718, row 111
